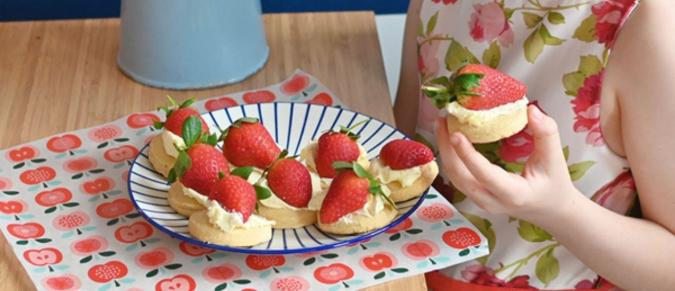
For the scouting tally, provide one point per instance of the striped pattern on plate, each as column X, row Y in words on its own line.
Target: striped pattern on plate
column 292, row 125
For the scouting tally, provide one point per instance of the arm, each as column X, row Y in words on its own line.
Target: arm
column 405, row 107
column 635, row 254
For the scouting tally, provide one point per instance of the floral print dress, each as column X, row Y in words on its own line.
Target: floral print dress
column 559, row 48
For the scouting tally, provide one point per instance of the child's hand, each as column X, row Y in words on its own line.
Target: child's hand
column 543, row 188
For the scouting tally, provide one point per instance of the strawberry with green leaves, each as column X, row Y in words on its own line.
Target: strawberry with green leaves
column 475, row 87
column 348, row 192
column 198, row 165
column 336, row 146
column 402, row 154
column 236, row 194
column 177, row 114
column 247, row 143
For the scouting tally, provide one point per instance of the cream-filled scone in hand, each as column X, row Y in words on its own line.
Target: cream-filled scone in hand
column 406, row 167
column 355, row 203
column 333, row 146
column 164, row 147
column 229, row 218
column 292, row 187
column 193, row 175
column 482, row 103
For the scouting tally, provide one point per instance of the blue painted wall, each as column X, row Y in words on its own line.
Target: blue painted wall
column 66, row 9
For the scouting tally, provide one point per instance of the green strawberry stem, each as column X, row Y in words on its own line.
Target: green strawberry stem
column 173, row 105
column 444, row 90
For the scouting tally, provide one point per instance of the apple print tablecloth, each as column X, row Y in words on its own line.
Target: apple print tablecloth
column 66, row 212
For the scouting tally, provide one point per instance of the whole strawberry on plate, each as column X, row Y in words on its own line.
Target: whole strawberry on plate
column 292, row 188
column 247, row 143
column 486, row 105
column 355, row 202
column 406, row 167
column 334, row 146
column 165, row 146
column 229, row 218
column 195, row 171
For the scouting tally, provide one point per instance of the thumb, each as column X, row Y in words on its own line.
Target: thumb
column 547, row 148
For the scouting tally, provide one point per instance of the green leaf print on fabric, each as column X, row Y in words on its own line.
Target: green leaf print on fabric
column 534, row 44
column 492, row 55
column 556, row 18
column 578, row 170
column 431, row 25
column 547, row 267
column 532, row 233
column 420, row 28
column 485, row 227
column 531, row 19
column 588, row 65
column 586, row 31
column 457, row 56
column 548, row 38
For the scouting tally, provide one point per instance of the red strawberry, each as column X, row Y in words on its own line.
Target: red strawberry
column 205, row 164
column 461, row 238
column 404, row 154
column 476, row 87
column 290, row 181
column 235, row 194
column 176, row 116
column 174, row 123
column 247, row 143
column 347, row 193
column 334, row 147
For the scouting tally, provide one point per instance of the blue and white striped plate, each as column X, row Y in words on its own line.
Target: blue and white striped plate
column 292, row 125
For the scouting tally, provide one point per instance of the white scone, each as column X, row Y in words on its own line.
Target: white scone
column 185, row 200
column 375, row 214
column 486, row 126
column 288, row 218
column 405, row 184
column 160, row 160
column 201, row 228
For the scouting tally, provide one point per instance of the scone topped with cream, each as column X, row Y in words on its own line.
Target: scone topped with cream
column 355, row 202
column 484, row 104
column 334, row 146
column 292, row 187
column 165, row 146
column 406, row 167
column 229, row 218
column 195, row 171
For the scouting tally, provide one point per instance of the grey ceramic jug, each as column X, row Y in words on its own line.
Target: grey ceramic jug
column 184, row 44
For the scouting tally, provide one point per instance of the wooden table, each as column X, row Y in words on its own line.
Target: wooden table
column 58, row 76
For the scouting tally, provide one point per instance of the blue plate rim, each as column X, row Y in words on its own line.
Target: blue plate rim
column 353, row 241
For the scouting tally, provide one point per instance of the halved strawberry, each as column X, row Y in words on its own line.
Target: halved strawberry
column 475, row 87
column 247, row 143
column 404, row 154
column 176, row 116
column 348, row 192
column 235, row 194
column 291, row 182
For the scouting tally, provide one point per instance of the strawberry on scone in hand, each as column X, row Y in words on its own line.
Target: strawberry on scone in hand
column 229, row 218
column 406, row 167
column 247, row 143
column 293, row 187
column 334, row 146
column 195, row 171
column 355, row 202
column 165, row 146
column 484, row 104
